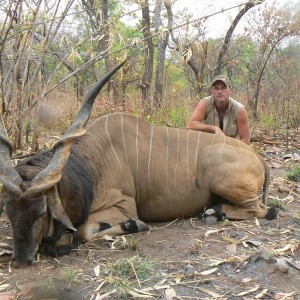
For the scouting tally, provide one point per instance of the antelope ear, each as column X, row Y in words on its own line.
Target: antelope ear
column 56, row 209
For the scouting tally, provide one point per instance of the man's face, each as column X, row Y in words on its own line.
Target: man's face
column 221, row 92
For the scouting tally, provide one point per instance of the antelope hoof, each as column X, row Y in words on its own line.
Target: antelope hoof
column 210, row 217
column 272, row 213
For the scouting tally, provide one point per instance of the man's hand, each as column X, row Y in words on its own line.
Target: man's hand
column 218, row 130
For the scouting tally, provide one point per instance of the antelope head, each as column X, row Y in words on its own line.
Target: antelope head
column 27, row 203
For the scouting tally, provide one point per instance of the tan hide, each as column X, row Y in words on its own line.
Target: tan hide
column 172, row 173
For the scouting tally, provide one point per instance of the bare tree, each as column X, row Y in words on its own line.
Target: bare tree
column 28, row 36
column 229, row 34
column 148, row 59
column 163, row 39
column 272, row 27
column 100, row 24
column 194, row 53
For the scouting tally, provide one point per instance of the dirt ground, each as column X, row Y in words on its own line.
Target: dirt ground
column 183, row 259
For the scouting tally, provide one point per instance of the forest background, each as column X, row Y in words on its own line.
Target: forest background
column 51, row 53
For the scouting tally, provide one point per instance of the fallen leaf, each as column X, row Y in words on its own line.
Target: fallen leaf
column 119, row 242
column 285, row 296
column 178, row 278
column 294, row 264
column 261, row 294
column 207, row 272
column 231, row 248
column 247, row 279
column 170, row 294
column 216, row 262
column 254, row 243
column 209, row 292
column 264, row 253
column 275, row 165
column 288, row 248
column 229, row 240
column 144, row 293
column 254, row 289
column 212, row 231
column 108, row 238
column 245, row 244
column 103, row 296
column 100, row 286
column 138, row 295
column 97, row 271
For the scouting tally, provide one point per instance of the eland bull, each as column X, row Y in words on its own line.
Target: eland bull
column 117, row 172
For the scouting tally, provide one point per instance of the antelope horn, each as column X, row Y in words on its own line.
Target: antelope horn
column 48, row 177
column 56, row 208
column 8, row 175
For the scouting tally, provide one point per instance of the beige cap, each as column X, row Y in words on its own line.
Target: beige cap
column 222, row 78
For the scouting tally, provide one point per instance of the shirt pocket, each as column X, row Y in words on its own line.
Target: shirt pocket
column 232, row 130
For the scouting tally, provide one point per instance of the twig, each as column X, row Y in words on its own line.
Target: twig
column 137, row 278
column 160, row 227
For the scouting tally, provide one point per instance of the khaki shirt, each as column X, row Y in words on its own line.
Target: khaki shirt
column 230, row 126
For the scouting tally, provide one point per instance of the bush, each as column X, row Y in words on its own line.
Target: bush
column 294, row 174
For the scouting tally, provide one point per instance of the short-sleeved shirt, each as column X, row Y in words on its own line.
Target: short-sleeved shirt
column 230, row 126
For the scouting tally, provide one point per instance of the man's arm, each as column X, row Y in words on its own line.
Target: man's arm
column 196, row 121
column 243, row 126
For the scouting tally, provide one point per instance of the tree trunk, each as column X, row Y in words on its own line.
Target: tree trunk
column 148, row 60
column 101, row 27
column 229, row 33
column 254, row 100
column 163, row 38
column 112, row 84
column 198, row 68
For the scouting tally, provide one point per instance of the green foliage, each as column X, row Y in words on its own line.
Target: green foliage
column 276, row 203
column 175, row 116
column 294, row 174
column 69, row 275
column 271, row 119
column 132, row 243
column 259, row 151
column 271, row 231
column 227, row 222
column 246, row 51
column 297, row 219
column 121, row 286
column 179, row 116
column 176, row 77
column 125, row 274
column 267, row 120
column 135, row 266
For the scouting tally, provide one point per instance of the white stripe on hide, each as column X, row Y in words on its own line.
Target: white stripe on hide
column 177, row 164
column 111, row 145
column 167, row 162
column 137, row 161
column 237, row 166
column 123, row 138
column 207, row 157
column 149, row 162
column 196, row 153
column 187, row 161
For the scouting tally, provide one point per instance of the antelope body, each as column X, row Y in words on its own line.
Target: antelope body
column 119, row 171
